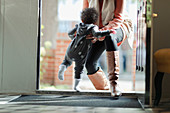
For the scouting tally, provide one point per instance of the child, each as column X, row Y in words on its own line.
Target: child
column 79, row 47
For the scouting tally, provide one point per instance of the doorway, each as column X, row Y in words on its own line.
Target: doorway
column 57, row 18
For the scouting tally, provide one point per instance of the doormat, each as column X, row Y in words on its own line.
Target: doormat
column 86, row 101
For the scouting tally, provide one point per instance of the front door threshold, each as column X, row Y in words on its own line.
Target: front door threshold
column 87, row 92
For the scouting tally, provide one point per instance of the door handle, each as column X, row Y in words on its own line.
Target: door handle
column 154, row 15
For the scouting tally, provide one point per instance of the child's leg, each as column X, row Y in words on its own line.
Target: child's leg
column 62, row 68
column 78, row 70
column 76, row 82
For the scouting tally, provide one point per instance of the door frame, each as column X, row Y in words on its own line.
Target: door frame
column 144, row 13
column 38, row 44
column 99, row 93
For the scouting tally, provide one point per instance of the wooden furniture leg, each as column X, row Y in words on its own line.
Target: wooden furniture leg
column 158, row 87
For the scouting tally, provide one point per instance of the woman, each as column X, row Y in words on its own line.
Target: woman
column 110, row 17
column 79, row 46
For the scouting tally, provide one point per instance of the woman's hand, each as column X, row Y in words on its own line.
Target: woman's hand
column 90, row 36
column 111, row 26
column 105, row 28
column 101, row 38
column 94, row 40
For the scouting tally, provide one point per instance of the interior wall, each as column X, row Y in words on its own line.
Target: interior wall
column 18, row 45
column 161, row 38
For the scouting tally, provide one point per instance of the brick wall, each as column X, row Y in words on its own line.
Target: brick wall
column 61, row 47
column 51, row 62
column 134, row 64
column 47, row 68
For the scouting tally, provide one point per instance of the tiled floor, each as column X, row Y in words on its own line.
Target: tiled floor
column 7, row 107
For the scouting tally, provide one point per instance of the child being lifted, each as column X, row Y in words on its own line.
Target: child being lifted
column 77, row 50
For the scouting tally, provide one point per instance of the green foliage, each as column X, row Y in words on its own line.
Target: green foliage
column 148, row 13
column 43, row 53
column 47, row 44
column 42, row 27
column 64, row 1
column 48, row 86
column 133, row 1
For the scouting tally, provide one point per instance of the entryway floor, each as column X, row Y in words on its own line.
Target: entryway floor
column 9, row 107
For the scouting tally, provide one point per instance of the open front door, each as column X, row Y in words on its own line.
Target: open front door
column 143, row 43
column 18, row 45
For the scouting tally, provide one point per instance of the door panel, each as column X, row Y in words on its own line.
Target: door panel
column 1, row 38
column 19, row 46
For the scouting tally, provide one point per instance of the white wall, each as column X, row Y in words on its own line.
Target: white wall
column 18, row 45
